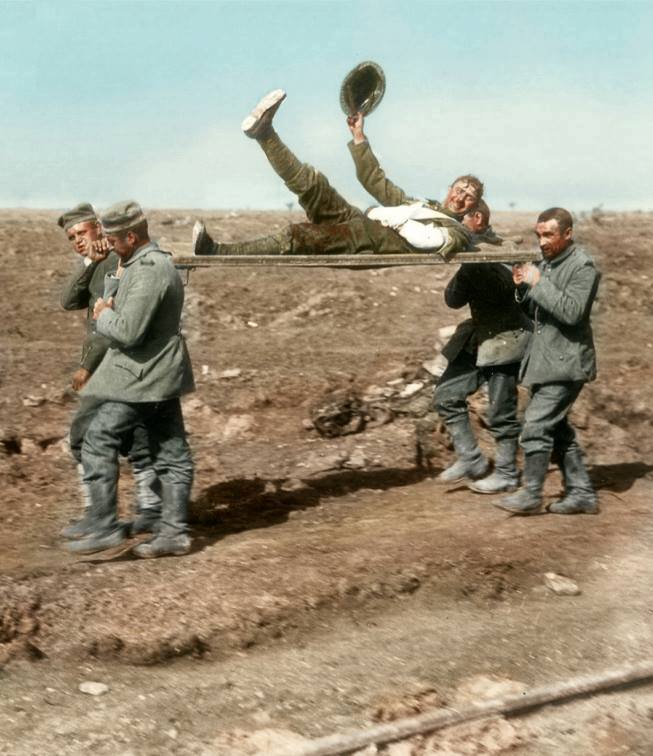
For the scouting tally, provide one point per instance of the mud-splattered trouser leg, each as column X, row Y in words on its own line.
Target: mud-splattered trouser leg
column 502, row 405
column 318, row 198
column 546, row 422
column 461, row 378
column 135, row 445
column 112, row 424
column 335, row 226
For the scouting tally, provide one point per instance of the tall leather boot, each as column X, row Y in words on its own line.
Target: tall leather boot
column 580, row 497
column 505, row 476
column 83, row 526
column 528, row 499
column 106, row 530
column 148, row 501
column 171, row 538
column 273, row 244
column 470, row 462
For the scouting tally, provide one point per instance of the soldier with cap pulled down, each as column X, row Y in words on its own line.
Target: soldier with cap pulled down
column 82, row 290
column 140, row 381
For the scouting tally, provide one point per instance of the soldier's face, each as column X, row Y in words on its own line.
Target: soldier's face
column 551, row 240
column 475, row 222
column 82, row 234
column 461, row 197
column 123, row 246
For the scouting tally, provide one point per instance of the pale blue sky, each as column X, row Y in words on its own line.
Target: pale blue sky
column 548, row 102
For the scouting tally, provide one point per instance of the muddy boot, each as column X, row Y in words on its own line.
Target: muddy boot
column 505, row 476
column 148, row 502
column 579, row 497
column 470, row 463
column 528, row 500
column 83, row 526
column 258, row 124
column 171, row 538
column 106, row 530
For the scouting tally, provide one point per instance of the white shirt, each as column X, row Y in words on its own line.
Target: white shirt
column 405, row 220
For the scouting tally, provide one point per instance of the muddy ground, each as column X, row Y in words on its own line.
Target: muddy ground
column 332, row 582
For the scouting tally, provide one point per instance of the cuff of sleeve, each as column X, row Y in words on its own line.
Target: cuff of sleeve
column 103, row 322
column 362, row 147
column 543, row 292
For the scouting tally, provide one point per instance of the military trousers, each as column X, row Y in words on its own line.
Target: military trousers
column 546, row 422
column 335, row 226
column 114, row 422
column 464, row 377
column 135, row 445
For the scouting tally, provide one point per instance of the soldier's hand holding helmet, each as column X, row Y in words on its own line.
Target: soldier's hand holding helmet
column 355, row 123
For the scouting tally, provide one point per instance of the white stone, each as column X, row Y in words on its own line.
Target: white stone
column 436, row 366
column 93, row 688
column 446, row 332
column 410, row 389
column 561, row 585
column 230, row 373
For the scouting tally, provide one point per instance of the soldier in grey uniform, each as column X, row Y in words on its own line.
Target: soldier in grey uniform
column 402, row 225
column 488, row 349
column 83, row 288
column 558, row 293
column 140, row 381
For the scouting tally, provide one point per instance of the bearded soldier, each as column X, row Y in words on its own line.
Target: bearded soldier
column 559, row 294
column 84, row 287
column 402, row 225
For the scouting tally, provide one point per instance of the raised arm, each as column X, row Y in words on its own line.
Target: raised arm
column 368, row 171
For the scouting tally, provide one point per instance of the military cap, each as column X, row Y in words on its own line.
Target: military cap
column 122, row 216
column 363, row 88
column 79, row 214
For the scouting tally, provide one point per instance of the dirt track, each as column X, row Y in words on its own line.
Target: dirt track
column 332, row 582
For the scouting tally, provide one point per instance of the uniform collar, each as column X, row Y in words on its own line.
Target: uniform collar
column 143, row 250
column 562, row 256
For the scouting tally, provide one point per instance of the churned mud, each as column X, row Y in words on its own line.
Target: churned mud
column 332, row 583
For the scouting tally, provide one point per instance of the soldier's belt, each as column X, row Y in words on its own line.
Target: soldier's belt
column 504, row 254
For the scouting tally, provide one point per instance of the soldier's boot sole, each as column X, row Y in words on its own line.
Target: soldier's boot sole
column 202, row 243
column 162, row 546
column 97, row 542
column 520, row 503
column 494, row 484
column 258, row 122
column 461, row 470
column 569, row 507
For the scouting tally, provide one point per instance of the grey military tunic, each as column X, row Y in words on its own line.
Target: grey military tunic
column 81, row 291
column 147, row 360
column 562, row 348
